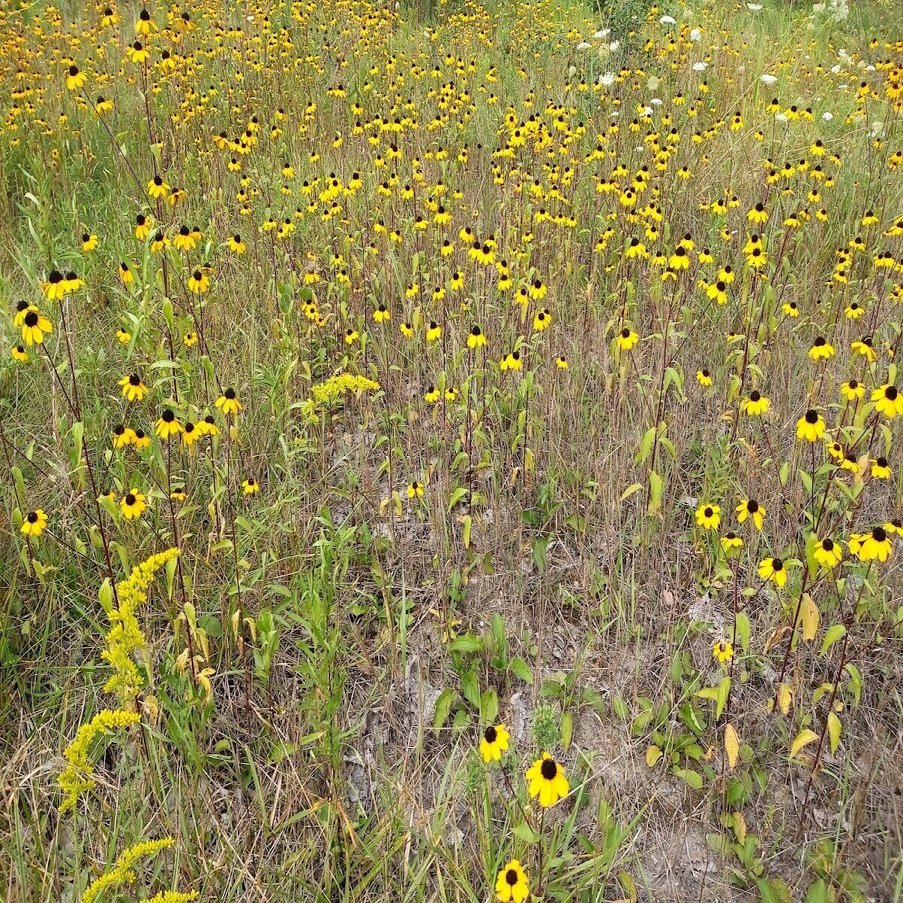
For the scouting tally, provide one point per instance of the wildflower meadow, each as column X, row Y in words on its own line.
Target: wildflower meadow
column 451, row 451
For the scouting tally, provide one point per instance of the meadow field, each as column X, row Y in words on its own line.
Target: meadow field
column 451, row 451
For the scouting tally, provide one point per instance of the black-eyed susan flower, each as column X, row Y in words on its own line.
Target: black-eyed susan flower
column 881, row 468
column 874, row 546
column 512, row 885
column 731, row 543
column 126, row 276
column 704, row 377
column 887, row 401
column 123, row 336
column 168, row 425
column 821, row 349
column 235, row 244
column 35, row 327
column 132, row 504
column 19, row 354
column 755, row 405
column 546, row 781
column 627, row 339
column 141, row 440
column 415, row 490
column 190, row 339
column 123, row 436
column 542, row 320
column 75, row 79
column 494, row 742
column 157, row 187
column 773, row 569
column 561, row 362
column 250, row 486
column 89, row 242
column 750, row 508
column 828, row 553
column 228, row 403
column 476, row 338
column 722, row 652
column 190, row 434
column 708, row 516
column 34, row 523
column 133, row 387
column 864, row 348
column 810, row 427
column 382, row 314
column 852, row 390
column 433, row 332
column 199, row 282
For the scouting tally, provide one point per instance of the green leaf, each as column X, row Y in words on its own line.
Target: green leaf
column 693, row 778
column 521, row 669
column 525, row 833
column 443, row 708
column 489, row 706
column 835, row 633
column 567, row 729
column 470, row 687
column 743, row 630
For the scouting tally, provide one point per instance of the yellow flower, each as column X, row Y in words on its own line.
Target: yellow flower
column 157, row 187
column 810, row 427
column 250, row 486
column 756, row 405
column 512, row 885
column 34, row 325
column 35, row 523
column 752, row 509
column 722, row 652
column 547, row 782
column 415, row 490
column 888, row 401
column 19, row 354
column 873, row 546
column 168, row 425
column 852, row 390
column 821, row 350
column 132, row 504
column 704, row 378
column 881, row 469
column 228, row 403
column 199, row 282
column 75, row 79
column 89, row 242
column 561, row 362
column 494, row 743
column 133, row 388
column 828, row 553
column 708, row 516
column 433, row 333
column 773, row 569
column 476, row 339
column 731, row 543
column 627, row 339
column 542, row 320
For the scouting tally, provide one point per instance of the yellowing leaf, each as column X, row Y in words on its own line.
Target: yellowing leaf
column 653, row 754
column 803, row 738
column 834, row 729
column 731, row 745
column 809, row 618
column 785, row 697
